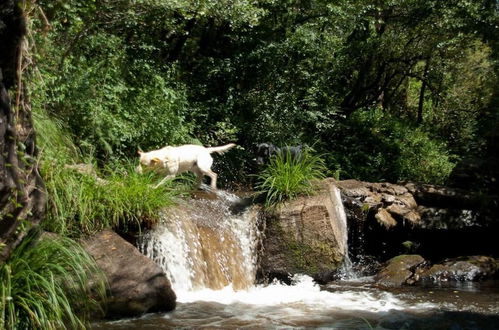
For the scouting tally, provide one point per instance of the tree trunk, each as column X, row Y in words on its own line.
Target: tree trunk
column 22, row 193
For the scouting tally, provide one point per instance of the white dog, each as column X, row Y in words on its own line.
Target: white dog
column 175, row 160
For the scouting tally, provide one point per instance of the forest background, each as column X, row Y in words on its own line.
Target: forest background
column 387, row 90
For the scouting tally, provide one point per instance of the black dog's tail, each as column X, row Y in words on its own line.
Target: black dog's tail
column 221, row 149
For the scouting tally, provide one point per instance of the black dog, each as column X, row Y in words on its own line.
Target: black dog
column 264, row 151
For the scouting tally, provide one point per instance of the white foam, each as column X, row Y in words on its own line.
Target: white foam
column 304, row 293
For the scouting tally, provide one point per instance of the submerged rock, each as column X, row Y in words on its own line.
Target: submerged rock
column 136, row 284
column 413, row 269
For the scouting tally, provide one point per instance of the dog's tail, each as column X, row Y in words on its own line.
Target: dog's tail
column 221, row 149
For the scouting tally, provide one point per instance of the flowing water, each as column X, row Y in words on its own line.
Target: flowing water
column 210, row 257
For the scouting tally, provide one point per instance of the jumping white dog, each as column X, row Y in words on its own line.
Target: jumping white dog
column 175, row 160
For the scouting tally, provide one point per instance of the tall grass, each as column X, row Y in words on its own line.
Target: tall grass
column 287, row 177
column 45, row 285
column 79, row 203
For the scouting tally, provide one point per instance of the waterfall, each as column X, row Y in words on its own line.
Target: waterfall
column 346, row 270
column 202, row 244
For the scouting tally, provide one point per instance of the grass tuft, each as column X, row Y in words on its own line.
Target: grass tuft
column 79, row 204
column 287, row 177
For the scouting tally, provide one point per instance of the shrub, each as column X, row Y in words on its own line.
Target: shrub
column 287, row 177
column 376, row 146
column 45, row 284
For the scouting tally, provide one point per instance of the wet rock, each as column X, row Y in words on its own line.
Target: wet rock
column 447, row 197
column 404, row 213
column 394, row 198
column 136, row 284
column 462, row 269
column 306, row 235
column 399, row 270
column 384, row 218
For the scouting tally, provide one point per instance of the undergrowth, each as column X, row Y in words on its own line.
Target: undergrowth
column 79, row 203
column 45, row 285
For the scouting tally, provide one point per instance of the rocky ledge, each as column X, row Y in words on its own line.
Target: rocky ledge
column 386, row 220
column 414, row 269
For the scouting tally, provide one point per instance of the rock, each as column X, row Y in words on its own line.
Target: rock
column 404, row 213
column 408, row 200
column 441, row 221
column 447, row 197
column 306, row 235
column 399, row 270
column 384, row 218
column 381, row 195
column 353, row 188
column 462, row 269
column 136, row 284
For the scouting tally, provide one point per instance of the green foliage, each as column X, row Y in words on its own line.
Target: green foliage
column 90, row 201
column 46, row 285
column 111, row 101
column 124, row 75
column 468, row 82
column 78, row 203
column 377, row 146
column 287, row 177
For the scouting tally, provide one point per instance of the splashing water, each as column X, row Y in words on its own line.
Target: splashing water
column 203, row 245
column 209, row 254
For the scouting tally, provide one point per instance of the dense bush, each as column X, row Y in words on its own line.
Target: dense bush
column 377, row 146
column 111, row 104
column 146, row 74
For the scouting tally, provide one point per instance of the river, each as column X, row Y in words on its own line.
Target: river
column 209, row 254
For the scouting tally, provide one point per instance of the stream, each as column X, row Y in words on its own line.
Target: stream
column 209, row 255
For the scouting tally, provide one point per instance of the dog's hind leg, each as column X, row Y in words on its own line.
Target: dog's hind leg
column 203, row 165
column 199, row 176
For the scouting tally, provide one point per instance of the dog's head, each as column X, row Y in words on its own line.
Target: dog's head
column 148, row 161
column 264, row 151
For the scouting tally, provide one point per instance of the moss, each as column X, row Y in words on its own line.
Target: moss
column 301, row 257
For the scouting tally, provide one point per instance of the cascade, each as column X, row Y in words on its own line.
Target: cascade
column 202, row 244
column 346, row 270
column 210, row 256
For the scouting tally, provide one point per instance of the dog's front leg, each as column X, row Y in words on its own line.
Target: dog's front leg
column 164, row 180
column 213, row 177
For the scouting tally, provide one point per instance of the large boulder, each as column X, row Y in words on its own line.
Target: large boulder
column 136, row 284
column 306, row 235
